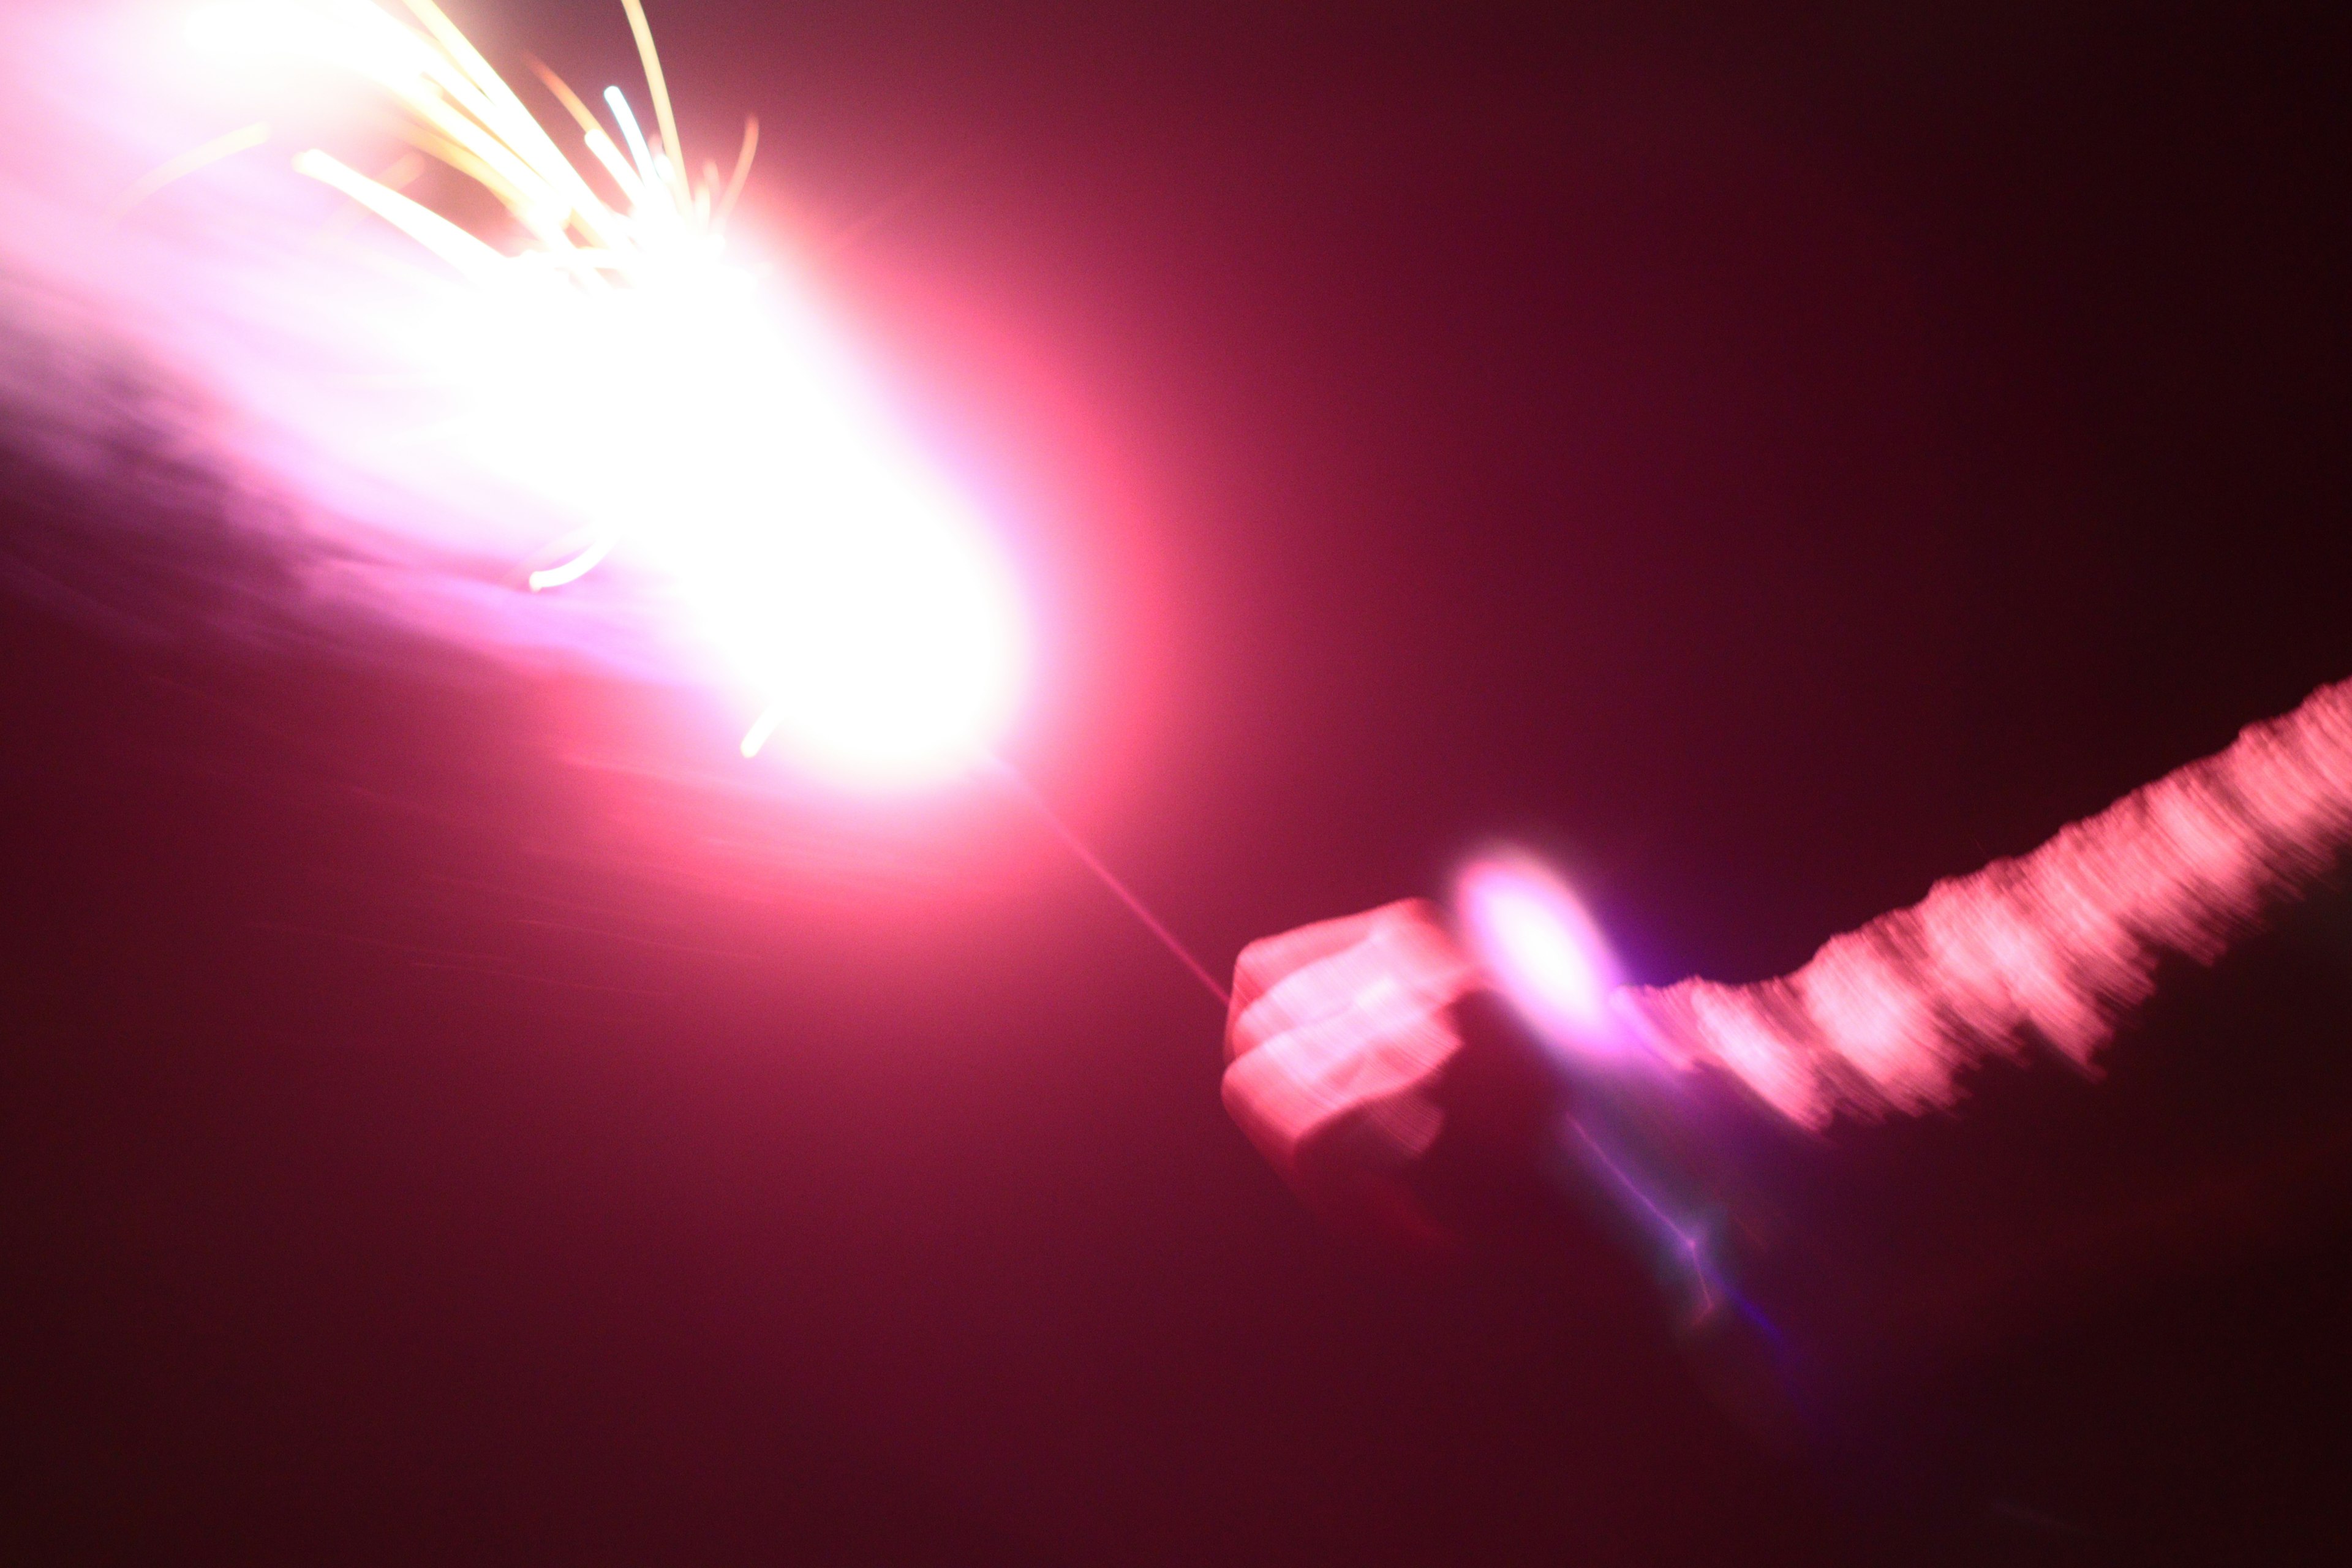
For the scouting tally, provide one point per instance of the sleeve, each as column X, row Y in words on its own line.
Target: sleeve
column 2054, row 950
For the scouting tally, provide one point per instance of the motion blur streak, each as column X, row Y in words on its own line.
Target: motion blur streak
column 2057, row 948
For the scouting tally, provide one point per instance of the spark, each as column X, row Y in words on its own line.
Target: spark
column 173, row 172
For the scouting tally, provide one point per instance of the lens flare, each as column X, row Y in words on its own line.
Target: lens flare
column 1540, row 948
column 704, row 426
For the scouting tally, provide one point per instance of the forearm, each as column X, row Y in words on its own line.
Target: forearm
column 2057, row 948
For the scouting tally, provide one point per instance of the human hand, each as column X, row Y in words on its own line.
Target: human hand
column 1338, row 1037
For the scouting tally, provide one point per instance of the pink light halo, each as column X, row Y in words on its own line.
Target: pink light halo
column 1543, row 952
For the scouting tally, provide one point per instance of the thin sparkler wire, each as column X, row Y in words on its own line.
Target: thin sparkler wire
column 1027, row 791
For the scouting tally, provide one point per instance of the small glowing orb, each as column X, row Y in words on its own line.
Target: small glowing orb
column 1540, row 948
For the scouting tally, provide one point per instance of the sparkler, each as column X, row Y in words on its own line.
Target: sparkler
column 696, row 422
column 650, row 387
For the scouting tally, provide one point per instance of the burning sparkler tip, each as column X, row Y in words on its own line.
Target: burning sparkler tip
column 604, row 359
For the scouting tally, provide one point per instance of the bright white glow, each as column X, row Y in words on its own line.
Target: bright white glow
column 1540, row 948
column 856, row 602
column 230, row 30
column 709, row 436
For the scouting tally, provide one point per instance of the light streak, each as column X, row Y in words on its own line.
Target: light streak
column 174, row 170
column 470, row 257
column 639, row 153
column 1688, row 1250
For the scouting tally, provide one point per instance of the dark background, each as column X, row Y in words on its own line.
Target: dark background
column 1772, row 456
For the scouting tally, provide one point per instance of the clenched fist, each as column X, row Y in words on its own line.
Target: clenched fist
column 1339, row 1037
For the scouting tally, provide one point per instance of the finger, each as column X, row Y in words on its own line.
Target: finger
column 1397, row 947
column 1392, row 1041
column 1264, row 962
